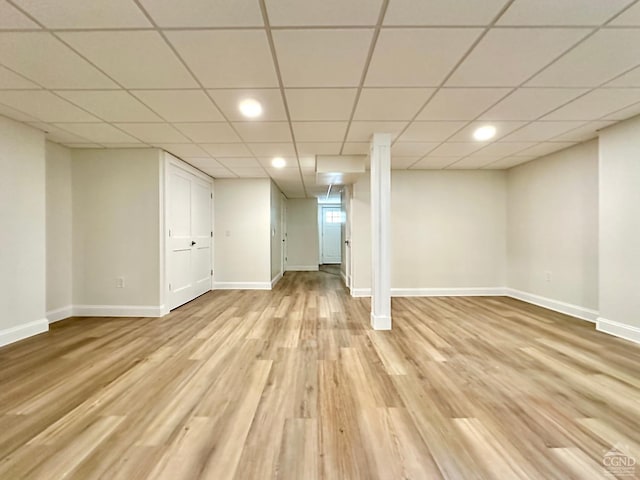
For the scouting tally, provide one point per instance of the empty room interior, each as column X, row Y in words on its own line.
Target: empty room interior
column 319, row 239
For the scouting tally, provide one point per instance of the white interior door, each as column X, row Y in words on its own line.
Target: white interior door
column 189, row 236
column 331, row 235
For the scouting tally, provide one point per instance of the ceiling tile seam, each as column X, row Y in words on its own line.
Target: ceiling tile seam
column 276, row 66
column 464, row 56
column 193, row 75
column 365, row 70
column 624, row 9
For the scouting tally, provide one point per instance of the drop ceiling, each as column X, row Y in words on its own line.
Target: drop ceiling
column 138, row 73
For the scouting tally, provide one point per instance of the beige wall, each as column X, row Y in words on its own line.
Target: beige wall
column 361, row 235
column 116, row 227
column 302, row 234
column 22, row 231
column 277, row 201
column 242, row 247
column 620, row 229
column 59, row 231
column 553, row 226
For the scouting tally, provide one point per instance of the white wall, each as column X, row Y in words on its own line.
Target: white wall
column 277, row 200
column 22, row 232
column 448, row 232
column 619, row 231
column 553, row 229
column 302, row 234
column 242, row 247
column 116, row 231
column 59, row 232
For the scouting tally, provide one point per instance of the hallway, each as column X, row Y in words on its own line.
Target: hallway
column 292, row 383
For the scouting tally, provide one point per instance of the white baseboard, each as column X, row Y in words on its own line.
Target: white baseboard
column 242, row 286
column 302, row 268
column 118, row 311
column 20, row 332
column 276, row 279
column 60, row 314
column 555, row 305
column 622, row 330
column 435, row 292
column 380, row 322
column 360, row 292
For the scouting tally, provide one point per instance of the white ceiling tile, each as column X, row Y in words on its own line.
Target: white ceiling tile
column 238, row 162
column 456, row 149
column 180, row 105
column 205, row 13
column 56, row 134
column 598, row 59
column 290, row 162
column 11, row 17
column 153, row 132
column 499, row 150
column 585, row 132
column 219, row 173
column 502, row 129
column 356, row 148
column 111, row 105
column 228, row 100
column 629, row 18
column 391, row 103
column 136, row 59
column 508, row 162
column 402, row 163
column 44, row 59
column 84, row 14
column 206, row 162
column 325, row 12
column 16, row 114
column 272, row 149
column 227, row 58
column 287, row 173
column 259, row 132
column 623, row 114
column 322, row 58
column 541, row 131
column 82, row 145
column 362, row 131
column 433, row 163
column 226, row 149
column 44, row 106
column 629, row 79
column 124, row 145
column 417, row 57
column 316, row 148
column 471, row 163
column 219, row 132
column 182, row 150
column 461, row 103
column 442, row 12
column 430, row 131
column 596, row 104
column 531, row 103
column 98, row 132
column 307, row 162
column 509, row 56
column 412, row 149
column 10, row 80
column 566, row 12
column 249, row 172
column 320, row 103
column 319, row 131
column 545, row 148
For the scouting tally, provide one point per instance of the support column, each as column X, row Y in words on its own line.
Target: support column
column 380, row 231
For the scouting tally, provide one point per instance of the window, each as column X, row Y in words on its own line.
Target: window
column 332, row 216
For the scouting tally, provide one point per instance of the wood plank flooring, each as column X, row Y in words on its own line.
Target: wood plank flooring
column 293, row 384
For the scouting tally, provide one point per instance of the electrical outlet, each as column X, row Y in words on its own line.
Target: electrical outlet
column 548, row 276
column 120, row 282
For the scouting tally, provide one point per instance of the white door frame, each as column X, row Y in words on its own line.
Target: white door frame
column 321, row 219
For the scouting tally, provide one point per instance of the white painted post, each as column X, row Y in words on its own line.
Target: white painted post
column 380, row 231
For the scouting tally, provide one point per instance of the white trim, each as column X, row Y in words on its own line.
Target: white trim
column 118, row 310
column 622, row 330
column 345, row 279
column 60, row 314
column 20, row 332
column 448, row 292
column 242, row 286
column 360, row 292
column 555, row 305
column 276, row 279
column 380, row 322
column 302, row 268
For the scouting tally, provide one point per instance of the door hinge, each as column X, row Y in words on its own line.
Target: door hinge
column 169, row 287
column 211, row 234
column 212, row 196
column 212, row 273
column 169, row 232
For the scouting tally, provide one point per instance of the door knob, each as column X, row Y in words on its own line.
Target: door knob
column 192, row 243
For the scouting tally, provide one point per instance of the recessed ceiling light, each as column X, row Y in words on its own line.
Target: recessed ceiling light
column 251, row 108
column 485, row 132
column 278, row 162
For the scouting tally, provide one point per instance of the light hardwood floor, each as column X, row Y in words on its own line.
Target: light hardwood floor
column 293, row 384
